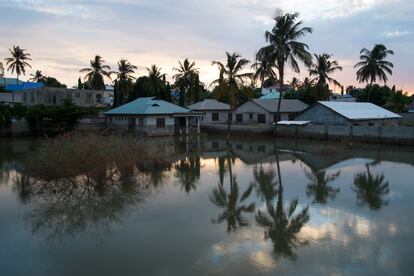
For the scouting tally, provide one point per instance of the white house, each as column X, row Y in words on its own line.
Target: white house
column 153, row 116
column 215, row 112
column 264, row 111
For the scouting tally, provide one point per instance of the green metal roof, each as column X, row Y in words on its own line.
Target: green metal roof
column 147, row 106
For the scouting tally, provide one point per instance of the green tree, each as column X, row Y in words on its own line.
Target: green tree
column 18, row 61
column 80, row 84
column 96, row 73
column 397, row 101
column 2, row 73
column 123, row 85
column 295, row 83
column 319, row 187
column 187, row 81
column 285, row 48
column 37, row 76
column 264, row 68
column 155, row 84
column 231, row 81
column 373, row 65
column 188, row 172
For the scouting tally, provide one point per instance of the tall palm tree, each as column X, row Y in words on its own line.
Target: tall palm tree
column 285, row 48
column 264, row 183
column 295, row 83
column 125, row 70
column 96, row 73
column 319, row 186
column 371, row 189
column 188, row 172
column 18, row 61
column 264, row 67
column 322, row 68
column 155, row 85
column 306, row 83
column 187, row 75
column 373, row 65
column 231, row 81
column 37, row 76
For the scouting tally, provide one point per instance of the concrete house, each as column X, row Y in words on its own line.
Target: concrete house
column 263, row 111
column 348, row 113
column 52, row 96
column 215, row 112
column 153, row 116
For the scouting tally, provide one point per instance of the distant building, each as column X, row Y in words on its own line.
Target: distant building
column 262, row 111
column 215, row 112
column 411, row 107
column 153, row 116
column 9, row 81
column 347, row 113
column 51, row 96
column 342, row 98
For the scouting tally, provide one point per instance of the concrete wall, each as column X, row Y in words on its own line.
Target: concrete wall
column 208, row 116
column 250, row 112
column 55, row 96
column 15, row 97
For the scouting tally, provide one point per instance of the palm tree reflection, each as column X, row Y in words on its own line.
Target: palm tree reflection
column 371, row 189
column 282, row 226
column 232, row 203
column 319, row 187
column 188, row 172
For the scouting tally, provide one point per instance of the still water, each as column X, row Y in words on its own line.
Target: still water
column 259, row 207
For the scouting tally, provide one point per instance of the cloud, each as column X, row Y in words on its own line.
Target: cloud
column 395, row 33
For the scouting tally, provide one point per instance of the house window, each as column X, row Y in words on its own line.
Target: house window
column 54, row 99
column 291, row 116
column 160, row 122
column 230, row 116
column 261, row 118
column 239, row 118
column 98, row 98
column 141, row 122
column 239, row 147
column 251, row 116
column 32, row 97
column 215, row 116
column 261, row 148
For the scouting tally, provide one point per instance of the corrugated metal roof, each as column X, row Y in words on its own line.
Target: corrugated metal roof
column 287, row 105
column 209, row 104
column 9, row 81
column 147, row 106
column 359, row 111
column 299, row 123
column 271, row 95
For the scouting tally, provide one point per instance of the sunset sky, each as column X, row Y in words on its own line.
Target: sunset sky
column 63, row 35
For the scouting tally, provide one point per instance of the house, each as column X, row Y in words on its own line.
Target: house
column 153, row 116
column 410, row 107
column 348, row 113
column 13, row 92
column 273, row 90
column 52, row 96
column 264, row 111
column 215, row 112
column 8, row 81
column 342, row 98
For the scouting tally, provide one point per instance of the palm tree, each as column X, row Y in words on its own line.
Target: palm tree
column 231, row 81
column 322, row 68
column 123, row 83
column 155, row 85
column 319, row 186
column 37, row 76
column 373, row 65
column 187, row 75
column 285, row 48
column 18, row 61
column 306, row 83
column 370, row 189
column 188, row 172
column 264, row 69
column 2, row 73
column 96, row 73
column 295, row 83
column 125, row 70
column 265, row 187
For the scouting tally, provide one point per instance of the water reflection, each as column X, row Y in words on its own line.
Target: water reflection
column 188, row 172
column 319, row 187
column 371, row 189
column 232, row 203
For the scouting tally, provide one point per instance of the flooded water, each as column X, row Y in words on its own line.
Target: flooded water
column 259, row 207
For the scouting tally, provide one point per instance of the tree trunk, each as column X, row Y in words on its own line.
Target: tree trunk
column 369, row 90
column 229, row 119
column 279, row 103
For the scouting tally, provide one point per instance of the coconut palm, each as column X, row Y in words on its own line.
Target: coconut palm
column 264, row 183
column 295, row 83
column 37, row 76
column 188, row 173
column 155, row 84
column 125, row 70
column 306, row 83
column 231, row 81
column 264, row 67
column 285, row 48
column 322, row 68
column 319, row 187
column 96, row 73
column 371, row 189
column 18, row 61
column 187, row 75
column 373, row 65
